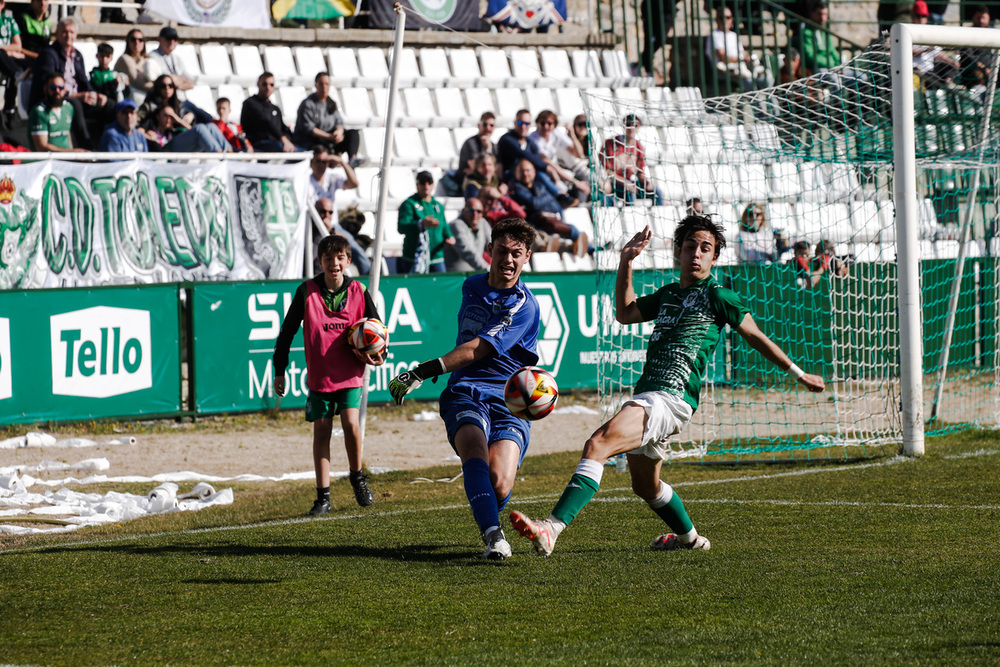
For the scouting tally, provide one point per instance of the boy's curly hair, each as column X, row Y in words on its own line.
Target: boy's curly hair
column 517, row 229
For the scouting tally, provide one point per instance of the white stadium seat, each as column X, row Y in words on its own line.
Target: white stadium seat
column 434, row 65
column 401, row 182
column 451, row 110
column 372, row 139
column 539, row 99
column 698, row 182
column 357, row 107
column 408, row 72
column 727, row 182
column 785, row 181
column 188, row 55
column 201, row 96
column 615, row 64
column 509, row 102
column 525, row 68
column 440, row 145
column 215, row 64
column 278, row 61
column 409, row 147
column 587, row 65
column 381, row 98
column 547, row 262
column 753, row 183
column 373, row 66
column 707, row 142
column 556, row 66
column 677, row 146
column 495, row 67
column 479, row 100
column 289, row 99
column 247, row 65
column 569, row 102
column 309, row 62
column 368, row 178
column 464, row 67
column 89, row 52
column 419, row 107
column 343, row 67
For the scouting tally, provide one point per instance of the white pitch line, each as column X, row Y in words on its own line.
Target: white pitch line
column 534, row 499
column 814, row 503
column 969, row 455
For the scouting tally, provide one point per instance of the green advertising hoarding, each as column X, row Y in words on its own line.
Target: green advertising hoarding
column 235, row 326
column 73, row 354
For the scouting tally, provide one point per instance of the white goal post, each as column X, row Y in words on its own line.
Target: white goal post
column 903, row 36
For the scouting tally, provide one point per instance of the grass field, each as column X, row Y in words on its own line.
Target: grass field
column 885, row 561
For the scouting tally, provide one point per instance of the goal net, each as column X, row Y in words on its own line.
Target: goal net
column 801, row 176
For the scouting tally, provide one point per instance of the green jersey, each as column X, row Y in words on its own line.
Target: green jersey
column 411, row 212
column 8, row 29
column 689, row 323
column 53, row 121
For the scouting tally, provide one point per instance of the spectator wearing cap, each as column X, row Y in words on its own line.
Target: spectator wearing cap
column 425, row 230
column 122, row 136
column 935, row 67
column 164, row 61
column 624, row 158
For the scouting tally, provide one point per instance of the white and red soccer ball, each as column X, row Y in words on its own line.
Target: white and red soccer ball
column 531, row 393
column 368, row 336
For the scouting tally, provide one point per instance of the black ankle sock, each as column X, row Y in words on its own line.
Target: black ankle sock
column 323, row 494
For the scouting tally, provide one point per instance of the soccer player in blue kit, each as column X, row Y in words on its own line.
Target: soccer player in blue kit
column 497, row 334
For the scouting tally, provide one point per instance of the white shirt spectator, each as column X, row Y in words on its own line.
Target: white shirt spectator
column 328, row 185
column 558, row 141
column 727, row 41
column 159, row 63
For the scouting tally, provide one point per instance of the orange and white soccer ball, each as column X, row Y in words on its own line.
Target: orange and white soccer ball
column 531, row 393
column 368, row 336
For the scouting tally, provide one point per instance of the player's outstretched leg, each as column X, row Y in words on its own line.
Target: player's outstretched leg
column 668, row 506
column 580, row 490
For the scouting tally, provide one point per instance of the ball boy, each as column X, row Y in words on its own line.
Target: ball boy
column 326, row 306
column 497, row 334
column 690, row 316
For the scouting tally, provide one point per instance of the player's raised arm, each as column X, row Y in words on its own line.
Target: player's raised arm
column 460, row 357
column 626, row 309
column 759, row 341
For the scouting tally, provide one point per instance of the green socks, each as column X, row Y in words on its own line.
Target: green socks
column 581, row 488
column 669, row 507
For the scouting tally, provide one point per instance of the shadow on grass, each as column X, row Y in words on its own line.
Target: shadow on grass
column 418, row 553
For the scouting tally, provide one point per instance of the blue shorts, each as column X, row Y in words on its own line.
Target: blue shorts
column 471, row 404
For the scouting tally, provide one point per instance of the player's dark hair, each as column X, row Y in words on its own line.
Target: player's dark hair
column 698, row 223
column 333, row 244
column 517, row 229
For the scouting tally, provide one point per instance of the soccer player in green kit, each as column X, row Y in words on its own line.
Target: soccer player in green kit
column 689, row 315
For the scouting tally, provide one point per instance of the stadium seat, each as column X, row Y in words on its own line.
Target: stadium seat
column 526, row 70
column 547, row 262
column 583, row 264
column 372, row 139
column 629, row 95
column 89, row 52
column 392, row 240
column 247, row 65
column 380, row 96
column 664, row 221
column 357, row 110
column 810, row 221
column 408, row 146
column 278, row 61
column 698, row 182
column 309, row 62
column 887, row 211
column 215, row 64
column 615, row 64
column 707, row 143
column 556, row 66
column 844, row 182
column 495, row 67
column 569, row 103
column 736, row 147
column 451, row 111
column 509, row 102
column 670, row 181
column 235, row 94
column 441, row 149
column 649, row 137
column 479, row 100
column 836, row 223
column 866, row 223
column 753, row 183
column 785, row 181
column 464, row 68
column 765, row 136
column 289, row 99
column 434, row 65
column 408, row 72
column 728, row 214
column 579, row 217
column 815, row 181
column 602, row 110
column 677, row 146
column 587, row 65
column 539, row 99
column 373, row 67
column 368, row 179
column 201, row 96
column 117, row 49
column 188, row 54
column 633, row 219
column 402, row 183
column 343, row 68
column 727, row 182
column 419, row 107
column 782, row 218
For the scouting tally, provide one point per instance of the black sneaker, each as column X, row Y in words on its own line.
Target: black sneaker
column 361, row 491
column 320, row 507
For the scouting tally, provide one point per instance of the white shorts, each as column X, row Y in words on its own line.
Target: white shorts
column 666, row 416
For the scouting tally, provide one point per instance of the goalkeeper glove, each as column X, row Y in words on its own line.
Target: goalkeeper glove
column 408, row 381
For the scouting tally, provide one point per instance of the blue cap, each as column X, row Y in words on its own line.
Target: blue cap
column 124, row 104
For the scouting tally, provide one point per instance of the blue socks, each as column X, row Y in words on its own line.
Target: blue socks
column 479, row 490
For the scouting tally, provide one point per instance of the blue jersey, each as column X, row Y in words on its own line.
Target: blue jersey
column 505, row 318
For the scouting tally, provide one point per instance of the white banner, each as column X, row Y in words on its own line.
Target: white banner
column 67, row 224
column 213, row 13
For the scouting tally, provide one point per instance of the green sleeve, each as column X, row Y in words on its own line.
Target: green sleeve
column 408, row 220
column 37, row 122
column 809, row 48
column 729, row 306
column 649, row 305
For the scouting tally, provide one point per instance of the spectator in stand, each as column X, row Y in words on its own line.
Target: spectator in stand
column 624, row 158
column 327, row 211
column 825, row 261
column 123, row 135
column 61, row 57
column 233, row 132
column 484, row 175
column 726, row 56
column 935, row 67
column 164, row 95
column 576, row 156
column 803, row 268
column 543, row 211
column 132, row 63
column 658, row 22
column 164, row 60
column 515, row 146
column 326, row 182
column 51, row 119
column 262, row 122
column 425, row 230
column 36, row 27
column 791, row 70
column 975, row 63
column 471, row 240
column 693, row 206
column 105, row 80
column 319, row 122
column 164, row 133
column 819, row 48
column 551, row 139
column 757, row 242
column 480, row 143
column 497, row 206
column 12, row 62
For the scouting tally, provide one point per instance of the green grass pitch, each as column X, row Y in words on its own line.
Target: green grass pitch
column 884, row 561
